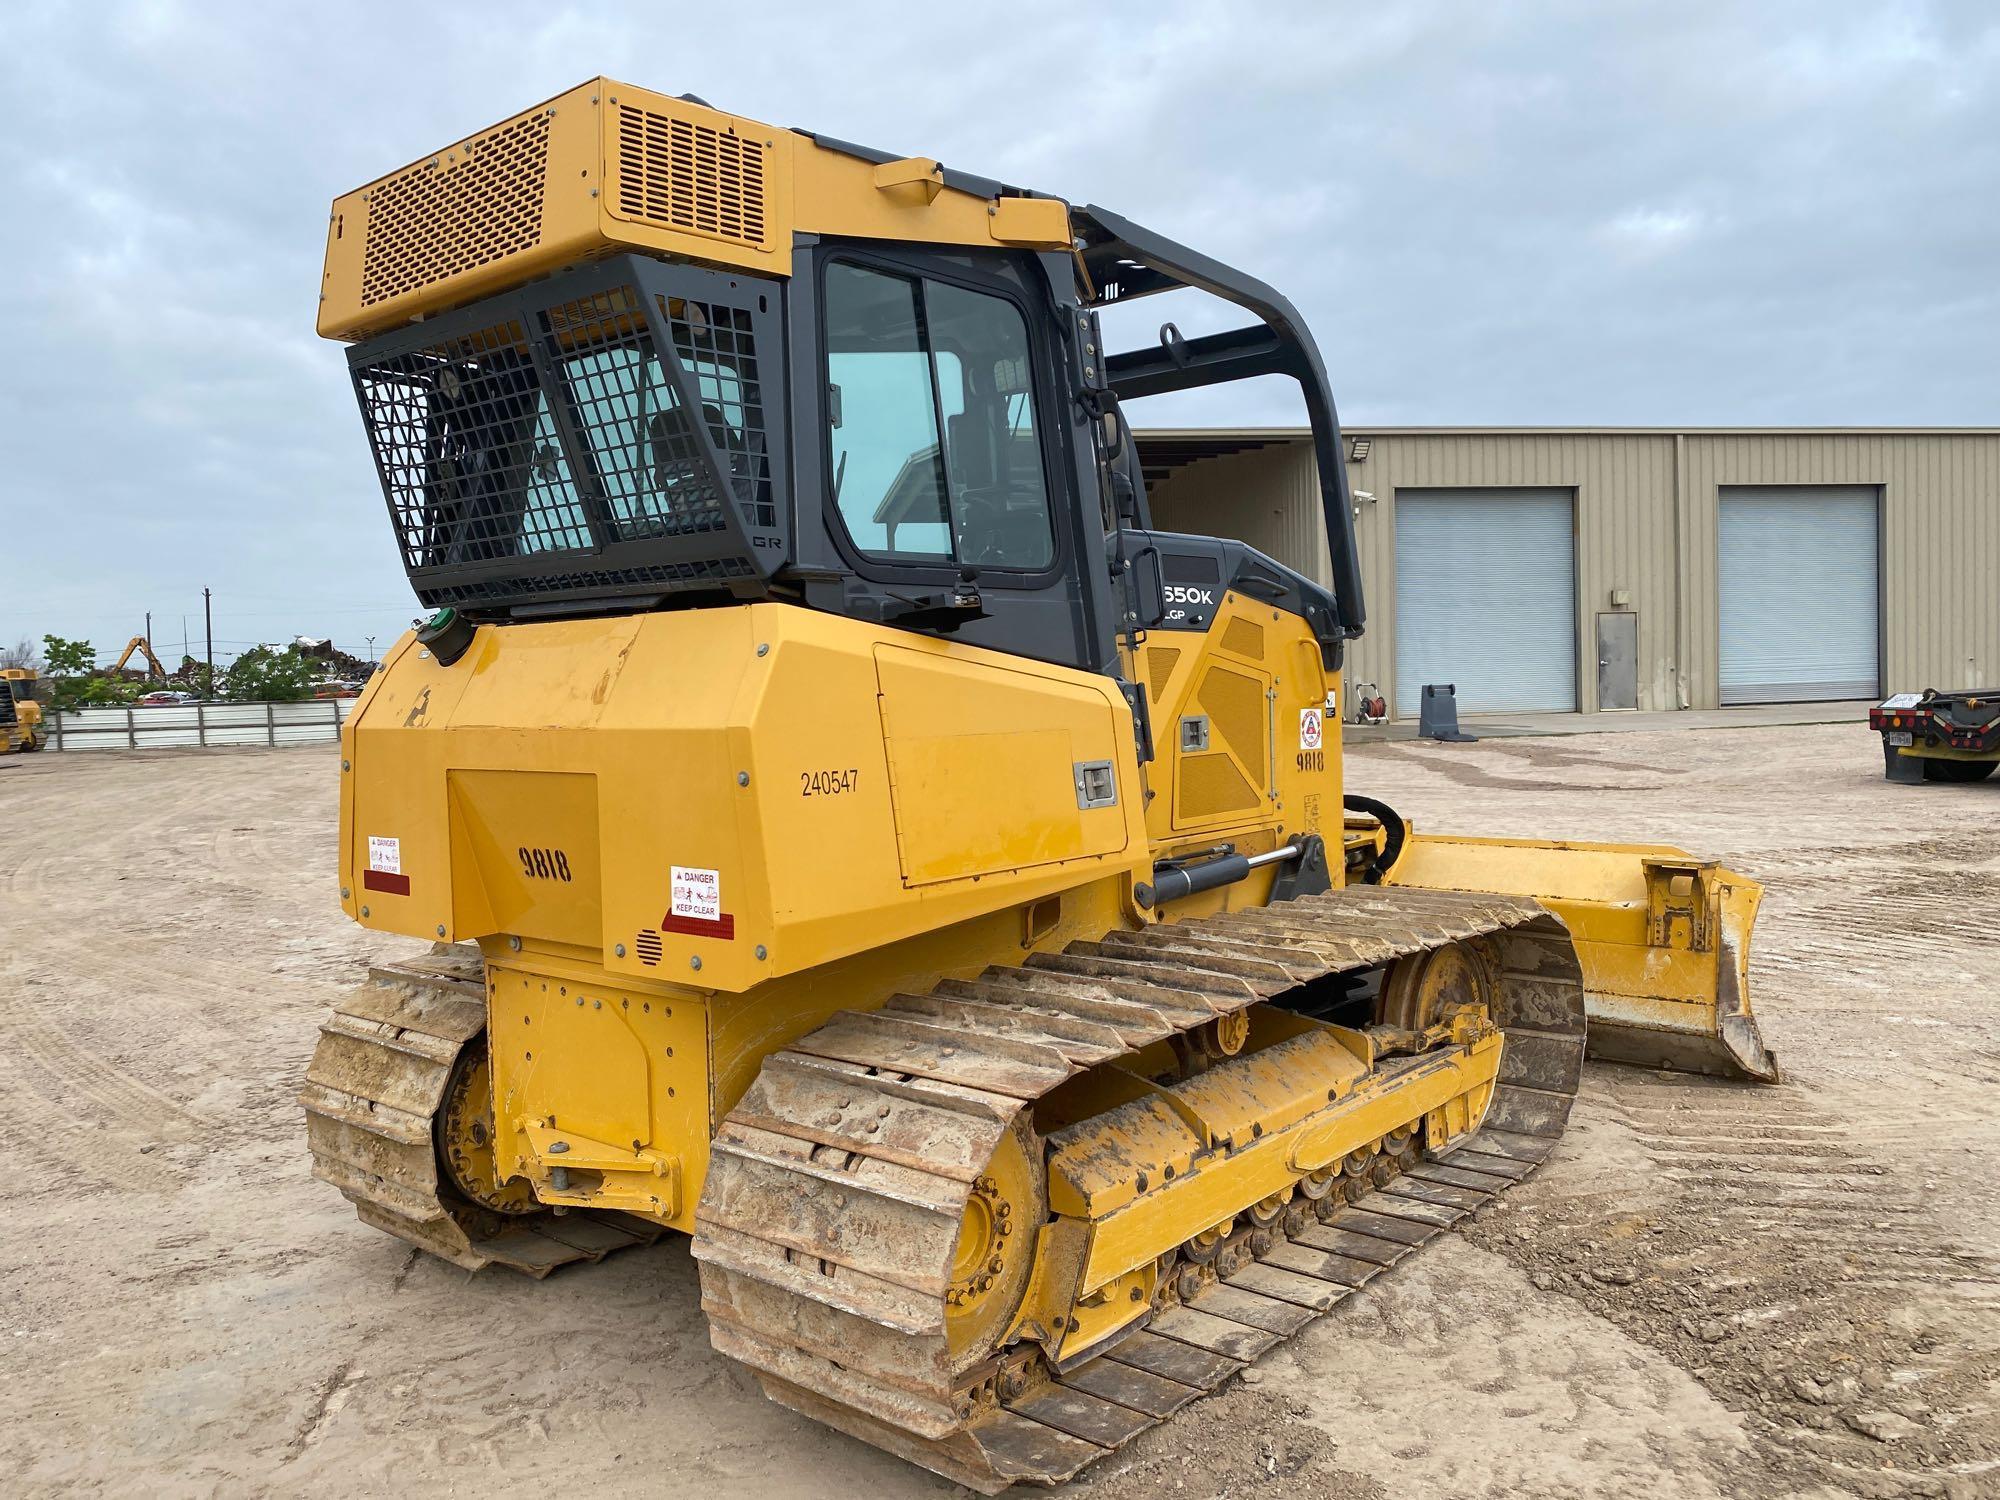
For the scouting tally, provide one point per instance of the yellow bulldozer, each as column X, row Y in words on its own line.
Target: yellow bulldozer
column 853, row 836
column 20, row 713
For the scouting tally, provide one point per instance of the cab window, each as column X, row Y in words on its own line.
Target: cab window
column 931, row 419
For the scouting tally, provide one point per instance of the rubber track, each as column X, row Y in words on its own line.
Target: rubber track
column 827, row 1224
column 371, row 1098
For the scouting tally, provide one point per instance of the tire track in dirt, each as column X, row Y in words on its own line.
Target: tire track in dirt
column 99, row 1118
column 1751, row 1240
column 103, row 958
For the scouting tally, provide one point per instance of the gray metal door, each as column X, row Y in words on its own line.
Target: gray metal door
column 1799, row 581
column 1486, row 598
column 1618, row 660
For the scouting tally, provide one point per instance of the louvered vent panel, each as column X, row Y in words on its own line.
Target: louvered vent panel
column 693, row 178
column 1245, row 638
column 649, row 947
column 1236, row 708
column 1211, row 784
column 439, row 219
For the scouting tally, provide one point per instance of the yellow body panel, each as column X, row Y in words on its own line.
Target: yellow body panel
column 834, row 778
column 744, row 742
column 607, row 167
column 1253, row 675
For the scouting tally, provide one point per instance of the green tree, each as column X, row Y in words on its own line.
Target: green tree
column 73, row 675
column 69, row 658
column 98, row 692
column 265, row 674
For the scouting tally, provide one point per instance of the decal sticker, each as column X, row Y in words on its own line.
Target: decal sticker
column 697, row 894
column 1903, row 700
column 1311, row 726
column 1333, row 703
column 696, row 907
column 385, row 867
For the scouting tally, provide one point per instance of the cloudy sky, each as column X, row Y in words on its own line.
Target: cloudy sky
column 1571, row 211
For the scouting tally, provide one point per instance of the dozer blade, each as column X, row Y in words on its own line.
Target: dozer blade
column 1664, row 939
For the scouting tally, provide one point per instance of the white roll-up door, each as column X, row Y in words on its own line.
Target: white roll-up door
column 1486, row 598
column 1798, row 593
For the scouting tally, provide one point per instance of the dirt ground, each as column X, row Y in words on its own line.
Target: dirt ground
column 1711, row 1290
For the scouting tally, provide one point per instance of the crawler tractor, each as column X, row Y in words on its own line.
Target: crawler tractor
column 20, row 713
column 854, row 837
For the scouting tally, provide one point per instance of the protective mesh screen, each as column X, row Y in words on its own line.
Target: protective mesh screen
column 560, row 448
column 470, row 457
column 647, row 461
column 719, row 352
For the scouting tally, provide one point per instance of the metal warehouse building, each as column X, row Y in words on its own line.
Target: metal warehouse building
column 1592, row 569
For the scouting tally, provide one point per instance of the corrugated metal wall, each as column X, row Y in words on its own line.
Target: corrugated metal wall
column 1646, row 521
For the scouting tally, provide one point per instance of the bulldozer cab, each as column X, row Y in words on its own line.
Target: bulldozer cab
column 920, row 435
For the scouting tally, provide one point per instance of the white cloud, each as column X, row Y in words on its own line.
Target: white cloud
column 1645, row 232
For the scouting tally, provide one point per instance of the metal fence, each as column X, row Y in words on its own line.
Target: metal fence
column 199, row 724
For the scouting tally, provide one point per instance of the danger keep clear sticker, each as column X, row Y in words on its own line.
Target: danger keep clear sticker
column 385, row 855
column 1312, row 727
column 697, row 894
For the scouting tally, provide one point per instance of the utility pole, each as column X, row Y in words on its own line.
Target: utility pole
column 371, row 650
column 208, row 625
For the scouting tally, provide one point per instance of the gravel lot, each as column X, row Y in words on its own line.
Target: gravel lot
column 1711, row 1291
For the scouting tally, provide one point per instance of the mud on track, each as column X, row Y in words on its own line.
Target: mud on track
column 1709, row 1290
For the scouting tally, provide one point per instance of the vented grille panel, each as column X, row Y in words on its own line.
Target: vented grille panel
column 1160, row 663
column 469, row 451
column 439, row 219
column 648, row 947
column 1236, row 708
column 1245, row 638
column 690, row 177
column 719, row 353
column 648, row 462
column 1211, row 784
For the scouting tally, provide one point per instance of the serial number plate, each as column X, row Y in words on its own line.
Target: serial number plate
column 1898, row 737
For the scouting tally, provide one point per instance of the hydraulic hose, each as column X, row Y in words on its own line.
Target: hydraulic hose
column 1395, row 833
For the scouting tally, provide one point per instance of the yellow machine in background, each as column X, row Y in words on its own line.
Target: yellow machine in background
column 20, row 714
column 139, row 645
column 853, row 836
